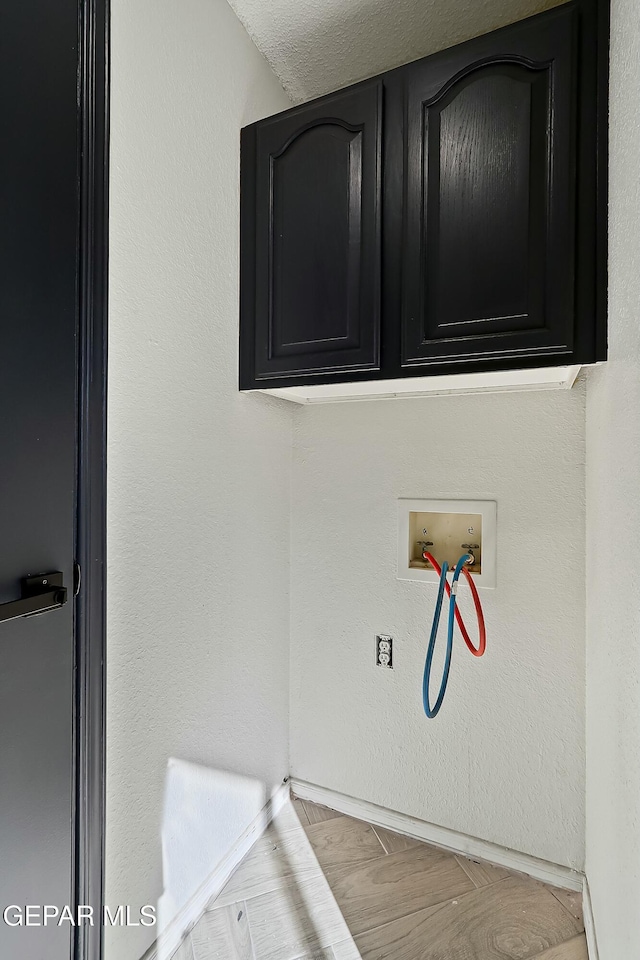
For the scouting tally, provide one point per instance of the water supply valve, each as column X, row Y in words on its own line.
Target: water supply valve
column 444, row 529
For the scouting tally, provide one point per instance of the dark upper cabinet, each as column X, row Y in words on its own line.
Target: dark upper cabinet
column 490, row 195
column 311, row 198
column 487, row 171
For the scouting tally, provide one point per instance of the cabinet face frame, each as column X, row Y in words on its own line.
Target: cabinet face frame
column 584, row 340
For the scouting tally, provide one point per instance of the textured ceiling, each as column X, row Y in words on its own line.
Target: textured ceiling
column 315, row 46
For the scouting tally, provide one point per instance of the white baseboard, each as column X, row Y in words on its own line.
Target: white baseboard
column 589, row 925
column 170, row 938
column 552, row 873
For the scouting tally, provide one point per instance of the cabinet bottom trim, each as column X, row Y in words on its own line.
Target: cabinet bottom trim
column 499, row 381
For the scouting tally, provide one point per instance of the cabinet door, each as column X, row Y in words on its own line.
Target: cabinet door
column 316, row 263
column 489, row 220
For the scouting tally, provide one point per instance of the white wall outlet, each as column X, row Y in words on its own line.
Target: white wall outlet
column 447, row 528
column 384, row 651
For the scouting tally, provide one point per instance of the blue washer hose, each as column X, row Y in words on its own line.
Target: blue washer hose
column 431, row 711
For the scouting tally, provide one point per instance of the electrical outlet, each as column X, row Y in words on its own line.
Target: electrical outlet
column 384, row 651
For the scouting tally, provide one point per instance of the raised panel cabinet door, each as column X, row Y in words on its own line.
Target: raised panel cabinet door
column 490, row 209
column 311, row 272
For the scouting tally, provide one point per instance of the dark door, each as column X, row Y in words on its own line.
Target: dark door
column 490, row 219
column 311, row 238
column 40, row 250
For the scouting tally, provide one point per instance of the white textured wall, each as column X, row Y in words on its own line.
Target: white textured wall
column 199, row 476
column 505, row 758
column 613, row 518
column 317, row 47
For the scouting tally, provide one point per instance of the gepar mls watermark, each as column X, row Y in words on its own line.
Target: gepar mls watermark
column 50, row 915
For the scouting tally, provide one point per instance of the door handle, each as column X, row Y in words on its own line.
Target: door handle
column 46, row 591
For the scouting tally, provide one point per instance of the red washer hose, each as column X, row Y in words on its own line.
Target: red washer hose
column 482, row 643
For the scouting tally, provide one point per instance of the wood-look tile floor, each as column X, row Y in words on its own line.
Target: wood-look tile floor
column 321, row 886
